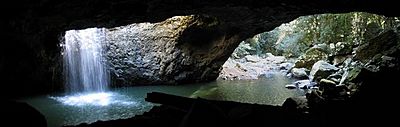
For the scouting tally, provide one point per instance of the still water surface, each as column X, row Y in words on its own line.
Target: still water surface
column 119, row 103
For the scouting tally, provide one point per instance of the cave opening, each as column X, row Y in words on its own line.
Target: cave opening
column 259, row 70
column 293, row 48
column 161, row 56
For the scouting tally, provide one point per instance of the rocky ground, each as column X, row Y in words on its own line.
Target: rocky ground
column 254, row 67
column 340, row 81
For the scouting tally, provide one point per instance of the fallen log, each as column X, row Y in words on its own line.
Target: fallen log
column 171, row 100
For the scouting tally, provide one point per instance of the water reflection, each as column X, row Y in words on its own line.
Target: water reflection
column 122, row 103
column 94, row 99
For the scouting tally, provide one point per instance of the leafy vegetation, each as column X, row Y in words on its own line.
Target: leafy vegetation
column 294, row 38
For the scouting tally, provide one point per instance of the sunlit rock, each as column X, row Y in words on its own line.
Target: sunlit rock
column 322, row 69
column 300, row 73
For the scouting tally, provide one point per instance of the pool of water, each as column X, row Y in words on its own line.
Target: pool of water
column 60, row 109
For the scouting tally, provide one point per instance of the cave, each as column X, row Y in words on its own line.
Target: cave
column 158, row 46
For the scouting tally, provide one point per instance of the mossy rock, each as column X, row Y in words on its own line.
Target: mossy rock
column 310, row 57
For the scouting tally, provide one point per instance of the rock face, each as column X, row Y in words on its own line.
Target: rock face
column 322, row 69
column 30, row 59
column 251, row 67
column 386, row 44
column 157, row 53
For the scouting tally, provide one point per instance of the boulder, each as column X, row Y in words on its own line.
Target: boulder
column 300, row 73
column 303, row 84
column 311, row 56
column 387, row 43
column 322, row 69
column 326, row 84
column 331, row 91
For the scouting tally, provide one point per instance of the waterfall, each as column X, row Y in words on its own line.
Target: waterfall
column 84, row 64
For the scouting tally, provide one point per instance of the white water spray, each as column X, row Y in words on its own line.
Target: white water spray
column 84, row 64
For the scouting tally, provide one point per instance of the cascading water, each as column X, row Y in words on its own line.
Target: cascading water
column 84, row 66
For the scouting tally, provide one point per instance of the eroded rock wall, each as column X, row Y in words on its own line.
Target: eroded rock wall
column 157, row 53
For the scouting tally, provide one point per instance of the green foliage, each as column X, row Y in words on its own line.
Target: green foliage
column 294, row 38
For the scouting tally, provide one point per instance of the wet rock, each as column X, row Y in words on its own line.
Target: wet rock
column 311, row 56
column 321, row 70
column 300, row 73
column 289, row 75
column 303, row 84
column 290, row 86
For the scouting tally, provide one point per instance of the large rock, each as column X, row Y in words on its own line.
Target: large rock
column 300, row 73
column 322, row 69
column 158, row 53
column 311, row 56
column 386, row 44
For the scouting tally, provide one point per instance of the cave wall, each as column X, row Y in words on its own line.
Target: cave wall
column 31, row 30
column 177, row 50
